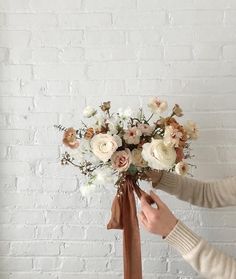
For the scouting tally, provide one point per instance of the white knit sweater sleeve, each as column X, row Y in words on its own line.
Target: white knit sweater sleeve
column 204, row 258
column 211, row 194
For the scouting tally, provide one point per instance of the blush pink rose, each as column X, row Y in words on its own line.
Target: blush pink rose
column 121, row 160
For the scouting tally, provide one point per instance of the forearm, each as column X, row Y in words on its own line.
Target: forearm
column 203, row 257
column 205, row 194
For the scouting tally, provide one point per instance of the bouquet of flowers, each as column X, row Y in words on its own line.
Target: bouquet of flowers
column 124, row 146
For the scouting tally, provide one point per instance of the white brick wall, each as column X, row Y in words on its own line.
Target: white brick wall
column 58, row 55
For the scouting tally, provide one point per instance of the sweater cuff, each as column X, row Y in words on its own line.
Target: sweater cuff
column 182, row 238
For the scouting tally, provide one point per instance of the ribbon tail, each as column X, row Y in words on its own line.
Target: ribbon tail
column 116, row 221
column 131, row 239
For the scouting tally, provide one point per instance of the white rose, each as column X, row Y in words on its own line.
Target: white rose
column 182, row 168
column 158, row 155
column 89, row 112
column 103, row 146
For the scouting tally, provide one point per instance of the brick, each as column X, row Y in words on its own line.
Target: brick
column 105, row 37
column 86, row 249
column 14, row 168
column 196, row 17
column 45, row 55
column 229, row 52
column 28, row 217
column 35, row 248
column 31, row 21
column 110, row 5
column 178, row 53
column 27, row 120
column 3, row 54
column 113, row 70
column 144, row 37
column 73, row 232
column 56, row 38
column 47, row 263
column 60, row 5
column 9, row 136
column 9, row 88
column 35, row 275
column 82, row 20
column 13, row 6
column 20, row 55
column 16, row 232
column 207, row 52
column 59, row 72
column 72, row 55
column 139, row 20
column 71, row 264
column 15, row 72
column 45, row 232
column 230, row 17
column 15, row 264
column 14, row 104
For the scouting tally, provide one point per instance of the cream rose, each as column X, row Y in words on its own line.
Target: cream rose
column 121, row 160
column 137, row 158
column 158, row 155
column 103, row 146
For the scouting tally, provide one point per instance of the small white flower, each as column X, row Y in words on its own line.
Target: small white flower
column 89, row 112
column 157, row 106
column 182, row 168
column 158, row 155
column 103, row 176
column 125, row 114
column 87, row 189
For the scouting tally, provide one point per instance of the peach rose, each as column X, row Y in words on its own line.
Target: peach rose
column 121, row 160
column 70, row 139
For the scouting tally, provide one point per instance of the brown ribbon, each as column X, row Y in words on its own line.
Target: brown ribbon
column 124, row 216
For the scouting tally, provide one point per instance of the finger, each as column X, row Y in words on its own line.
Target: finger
column 146, row 207
column 156, row 199
column 143, row 218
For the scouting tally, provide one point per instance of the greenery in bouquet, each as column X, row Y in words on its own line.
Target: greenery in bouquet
column 115, row 144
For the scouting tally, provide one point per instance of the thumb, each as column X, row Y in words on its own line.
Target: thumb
column 156, row 199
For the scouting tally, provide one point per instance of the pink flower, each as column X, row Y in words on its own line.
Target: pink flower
column 157, row 106
column 121, row 160
column 172, row 136
column 146, row 129
column 132, row 135
column 70, row 139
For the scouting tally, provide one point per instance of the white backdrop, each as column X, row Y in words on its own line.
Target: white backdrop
column 58, row 55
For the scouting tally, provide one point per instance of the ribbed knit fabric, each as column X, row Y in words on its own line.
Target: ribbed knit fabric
column 182, row 238
column 203, row 257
